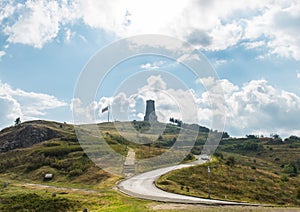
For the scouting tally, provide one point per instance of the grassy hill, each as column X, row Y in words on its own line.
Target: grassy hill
column 36, row 147
column 32, row 149
column 249, row 170
column 58, row 153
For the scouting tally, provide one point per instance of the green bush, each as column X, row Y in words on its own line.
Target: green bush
column 196, row 150
column 34, row 202
column 291, row 168
column 60, row 151
column 50, row 144
column 298, row 194
column 189, row 157
column 219, row 155
column 230, row 161
column 242, row 145
column 75, row 172
column 284, row 178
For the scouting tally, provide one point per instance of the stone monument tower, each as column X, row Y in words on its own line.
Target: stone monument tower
column 150, row 112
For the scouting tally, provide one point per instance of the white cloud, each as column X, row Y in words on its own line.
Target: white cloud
column 220, row 62
column 149, row 66
column 90, row 112
column 2, row 53
column 298, row 75
column 69, row 34
column 257, row 107
column 213, row 25
column 189, row 57
column 10, row 110
column 254, row 44
column 27, row 105
column 225, row 36
column 155, row 83
column 207, row 82
column 83, row 114
column 279, row 23
column 39, row 22
column 169, row 102
column 108, row 15
column 6, row 11
column 152, row 66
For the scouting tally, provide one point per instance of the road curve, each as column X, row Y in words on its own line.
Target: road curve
column 143, row 186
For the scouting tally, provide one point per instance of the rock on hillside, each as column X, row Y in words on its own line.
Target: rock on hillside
column 26, row 135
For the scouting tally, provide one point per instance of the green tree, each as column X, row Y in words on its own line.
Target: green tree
column 252, row 136
column 225, row 135
column 17, row 121
column 172, row 120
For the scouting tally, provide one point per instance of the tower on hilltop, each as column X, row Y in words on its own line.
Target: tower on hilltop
column 150, row 111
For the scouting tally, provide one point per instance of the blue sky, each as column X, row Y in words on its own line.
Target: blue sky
column 253, row 46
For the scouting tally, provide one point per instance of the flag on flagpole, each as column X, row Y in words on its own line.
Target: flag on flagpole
column 105, row 109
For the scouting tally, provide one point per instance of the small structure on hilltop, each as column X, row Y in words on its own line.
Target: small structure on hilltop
column 150, row 114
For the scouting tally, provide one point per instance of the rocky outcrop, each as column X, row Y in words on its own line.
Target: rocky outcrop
column 25, row 135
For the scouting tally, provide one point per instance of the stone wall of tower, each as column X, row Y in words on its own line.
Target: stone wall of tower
column 150, row 114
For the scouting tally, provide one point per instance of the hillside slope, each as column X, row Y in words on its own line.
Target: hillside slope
column 32, row 132
column 250, row 170
column 33, row 148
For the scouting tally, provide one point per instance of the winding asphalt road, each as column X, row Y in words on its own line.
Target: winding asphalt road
column 143, row 186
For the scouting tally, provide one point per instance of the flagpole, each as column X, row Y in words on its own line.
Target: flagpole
column 108, row 113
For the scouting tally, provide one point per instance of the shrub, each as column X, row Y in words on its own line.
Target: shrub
column 252, row 146
column 34, row 202
column 284, row 178
column 219, row 155
column 71, row 138
column 196, row 150
column 298, row 193
column 230, row 161
column 290, row 168
column 190, row 156
column 50, row 144
column 75, row 172
column 60, row 151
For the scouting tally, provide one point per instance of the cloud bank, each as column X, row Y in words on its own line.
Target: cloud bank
column 210, row 25
column 26, row 105
column 256, row 107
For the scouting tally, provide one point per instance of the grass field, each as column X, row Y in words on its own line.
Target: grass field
column 246, row 170
column 18, row 197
